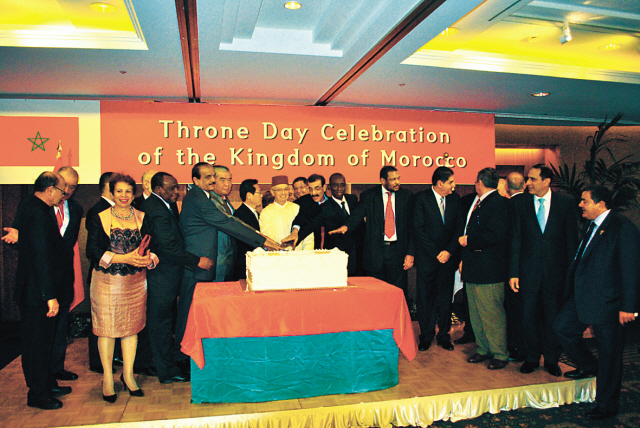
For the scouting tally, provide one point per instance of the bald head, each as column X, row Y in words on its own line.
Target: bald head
column 146, row 181
column 515, row 183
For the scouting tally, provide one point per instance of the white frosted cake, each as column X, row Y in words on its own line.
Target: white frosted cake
column 296, row 270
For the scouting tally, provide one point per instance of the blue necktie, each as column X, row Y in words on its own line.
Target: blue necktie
column 541, row 214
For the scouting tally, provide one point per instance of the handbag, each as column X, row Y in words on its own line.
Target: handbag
column 144, row 245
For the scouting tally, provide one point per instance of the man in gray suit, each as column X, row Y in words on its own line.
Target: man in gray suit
column 227, row 246
column 200, row 222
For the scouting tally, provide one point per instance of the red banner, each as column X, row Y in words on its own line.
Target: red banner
column 33, row 141
column 263, row 141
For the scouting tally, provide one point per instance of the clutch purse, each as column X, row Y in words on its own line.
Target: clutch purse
column 144, row 245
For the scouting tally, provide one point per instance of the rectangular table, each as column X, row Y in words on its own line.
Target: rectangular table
column 264, row 346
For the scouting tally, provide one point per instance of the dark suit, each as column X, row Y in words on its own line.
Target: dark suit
column 484, row 269
column 70, row 238
column 245, row 214
column 513, row 300
column 605, row 282
column 163, row 282
column 45, row 272
column 332, row 217
column 138, row 202
column 435, row 279
column 200, row 221
column 308, row 210
column 540, row 261
column 381, row 260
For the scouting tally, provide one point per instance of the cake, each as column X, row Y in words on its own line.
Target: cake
column 296, row 270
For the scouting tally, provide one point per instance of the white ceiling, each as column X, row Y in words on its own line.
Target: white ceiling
column 257, row 52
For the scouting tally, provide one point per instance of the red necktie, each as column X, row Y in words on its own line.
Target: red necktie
column 60, row 215
column 389, row 219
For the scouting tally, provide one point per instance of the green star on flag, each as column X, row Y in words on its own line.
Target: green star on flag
column 38, row 145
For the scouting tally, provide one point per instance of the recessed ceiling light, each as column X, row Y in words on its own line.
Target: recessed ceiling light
column 450, row 31
column 123, row 72
column 292, row 5
column 609, row 47
column 401, row 85
column 102, row 7
column 533, row 39
column 540, row 94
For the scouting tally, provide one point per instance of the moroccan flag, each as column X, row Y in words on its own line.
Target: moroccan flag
column 33, row 141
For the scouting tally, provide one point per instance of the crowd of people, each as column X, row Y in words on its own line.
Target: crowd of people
column 531, row 285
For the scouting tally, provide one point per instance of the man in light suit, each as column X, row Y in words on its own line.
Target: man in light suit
column 200, row 221
column 389, row 241
column 484, row 270
column 331, row 216
column 603, row 283
column 225, row 264
column 163, row 282
column 251, row 197
column 438, row 223
column 44, row 284
column 543, row 241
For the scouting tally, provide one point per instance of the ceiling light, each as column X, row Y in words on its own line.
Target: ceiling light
column 540, row 94
column 533, row 39
column 450, row 31
column 292, row 5
column 566, row 34
column 608, row 47
column 102, row 7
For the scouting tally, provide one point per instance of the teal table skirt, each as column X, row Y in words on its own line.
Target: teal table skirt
column 255, row 369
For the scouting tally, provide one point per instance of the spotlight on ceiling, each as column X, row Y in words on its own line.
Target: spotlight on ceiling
column 566, row 34
column 292, row 5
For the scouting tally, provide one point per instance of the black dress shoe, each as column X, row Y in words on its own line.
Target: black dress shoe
column 59, row 391
column 134, row 393
column 46, row 403
column 579, row 374
column 464, row 339
column 478, row 358
column 65, row 375
column 424, row 346
column 110, row 398
column 553, row 369
column 185, row 377
column 528, row 367
column 497, row 364
column 599, row 413
column 446, row 345
column 147, row 371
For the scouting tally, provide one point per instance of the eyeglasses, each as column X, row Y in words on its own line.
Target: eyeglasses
column 62, row 191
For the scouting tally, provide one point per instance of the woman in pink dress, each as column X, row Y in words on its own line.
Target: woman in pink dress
column 118, row 284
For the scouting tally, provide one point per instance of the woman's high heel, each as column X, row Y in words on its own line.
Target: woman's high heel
column 110, row 398
column 137, row 393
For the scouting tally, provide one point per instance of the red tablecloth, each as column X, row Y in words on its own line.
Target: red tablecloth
column 225, row 310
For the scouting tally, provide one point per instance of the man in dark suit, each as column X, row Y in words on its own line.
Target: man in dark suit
column 163, row 282
column 334, row 213
column 438, row 223
column 388, row 240
column 603, row 283
column 44, row 284
column 200, row 221
column 310, row 206
column 251, row 197
column 543, row 242
column 68, row 215
column 484, row 270
column 138, row 202
column 512, row 300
